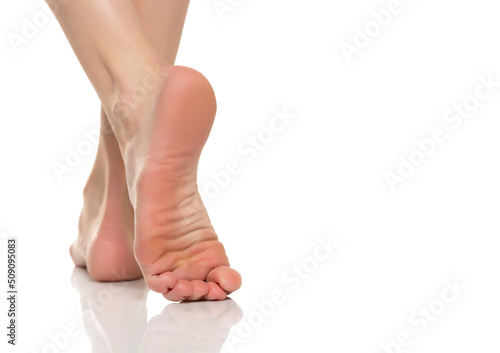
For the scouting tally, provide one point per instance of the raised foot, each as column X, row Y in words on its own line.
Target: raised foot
column 175, row 243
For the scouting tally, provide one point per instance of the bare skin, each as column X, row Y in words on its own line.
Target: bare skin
column 161, row 116
column 106, row 228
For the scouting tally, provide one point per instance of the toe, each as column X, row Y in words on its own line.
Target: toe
column 200, row 289
column 227, row 278
column 182, row 290
column 162, row 283
column 215, row 292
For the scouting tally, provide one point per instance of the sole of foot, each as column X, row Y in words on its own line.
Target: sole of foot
column 161, row 141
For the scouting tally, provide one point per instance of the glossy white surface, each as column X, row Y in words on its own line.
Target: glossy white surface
column 322, row 175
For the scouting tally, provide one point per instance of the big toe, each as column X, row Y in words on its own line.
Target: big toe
column 227, row 278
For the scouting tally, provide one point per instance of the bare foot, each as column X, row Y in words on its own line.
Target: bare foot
column 161, row 138
column 105, row 240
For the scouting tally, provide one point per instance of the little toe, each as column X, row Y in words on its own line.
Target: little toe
column 162, row 283
column 227, row 278
column 182, row 290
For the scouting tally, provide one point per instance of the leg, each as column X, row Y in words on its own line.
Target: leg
column 106, row 228
column 162, row 22
column 160, row 136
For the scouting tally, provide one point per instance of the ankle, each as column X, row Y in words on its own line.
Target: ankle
column 132, row 94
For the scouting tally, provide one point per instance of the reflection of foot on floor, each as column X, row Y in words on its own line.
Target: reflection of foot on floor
column 114, row 314
column 200, row 327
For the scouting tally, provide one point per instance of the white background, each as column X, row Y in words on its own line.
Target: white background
column 323, row 175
